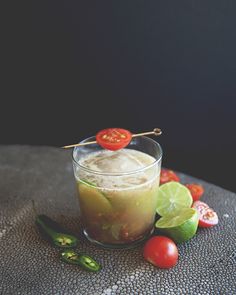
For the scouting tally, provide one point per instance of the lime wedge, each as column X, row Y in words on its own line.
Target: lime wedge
column 172, row 197
column 180, row 226
column 92, row 200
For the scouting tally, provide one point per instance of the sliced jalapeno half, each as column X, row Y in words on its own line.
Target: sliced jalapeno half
column 55, row 233
column 83, row 260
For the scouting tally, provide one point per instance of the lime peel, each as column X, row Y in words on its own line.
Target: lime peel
column 179, row 226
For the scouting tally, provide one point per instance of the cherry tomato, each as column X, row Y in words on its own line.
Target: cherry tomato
column 161, row 252
column 196, row 190
column 113, row 138
column 207, row 216
column 167, row 176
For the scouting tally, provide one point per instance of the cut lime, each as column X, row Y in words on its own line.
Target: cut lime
column 92, row 200
column 172, row 197
column 180, row 226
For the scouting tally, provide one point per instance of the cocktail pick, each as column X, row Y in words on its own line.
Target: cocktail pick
column 155, row 131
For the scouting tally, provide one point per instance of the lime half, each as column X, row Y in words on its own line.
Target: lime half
column 180, row 226
column 172, row 197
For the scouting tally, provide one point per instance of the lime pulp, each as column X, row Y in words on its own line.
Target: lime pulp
column 180, row 225
column 172, row 197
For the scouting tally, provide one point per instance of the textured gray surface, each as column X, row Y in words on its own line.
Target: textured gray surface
column 28, row 265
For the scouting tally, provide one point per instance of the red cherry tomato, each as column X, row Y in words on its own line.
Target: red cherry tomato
column 167, row 176
column 196, row 190
column 207, row 216
column 161, row 252
column 113, row 138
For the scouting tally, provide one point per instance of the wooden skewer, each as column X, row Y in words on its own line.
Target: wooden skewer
column 155, row 131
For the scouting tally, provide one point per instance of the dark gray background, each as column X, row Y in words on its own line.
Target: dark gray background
column 71, row 68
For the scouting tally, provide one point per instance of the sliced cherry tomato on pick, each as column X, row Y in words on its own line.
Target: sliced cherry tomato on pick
column 113, row 138
column 167, row 176
column 161, row 252
column 196, row 190
column 207, row 216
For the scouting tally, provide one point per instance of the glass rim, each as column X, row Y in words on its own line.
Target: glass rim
column 157, row 160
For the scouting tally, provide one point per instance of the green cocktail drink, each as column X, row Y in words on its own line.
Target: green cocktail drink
column 117, row 194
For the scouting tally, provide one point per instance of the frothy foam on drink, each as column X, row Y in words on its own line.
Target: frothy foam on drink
column 125, row 160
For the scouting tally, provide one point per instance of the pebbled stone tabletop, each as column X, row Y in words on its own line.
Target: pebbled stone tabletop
column 41, row 179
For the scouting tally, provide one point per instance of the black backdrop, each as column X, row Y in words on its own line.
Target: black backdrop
column 73, row 67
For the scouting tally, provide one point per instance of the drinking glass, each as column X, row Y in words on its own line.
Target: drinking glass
column 118, row 208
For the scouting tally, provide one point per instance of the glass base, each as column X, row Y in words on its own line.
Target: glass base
column 118, row 246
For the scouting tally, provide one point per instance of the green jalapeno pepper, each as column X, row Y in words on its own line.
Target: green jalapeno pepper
column 55, row 233
column 83, row 260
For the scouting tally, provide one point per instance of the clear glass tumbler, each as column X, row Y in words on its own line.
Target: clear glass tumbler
column 117, row 191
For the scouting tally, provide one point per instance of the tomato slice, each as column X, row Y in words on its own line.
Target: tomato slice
column 167, row 176
column 207, row 216
column 113, row 138
column 196, row 190
column 161, row 252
